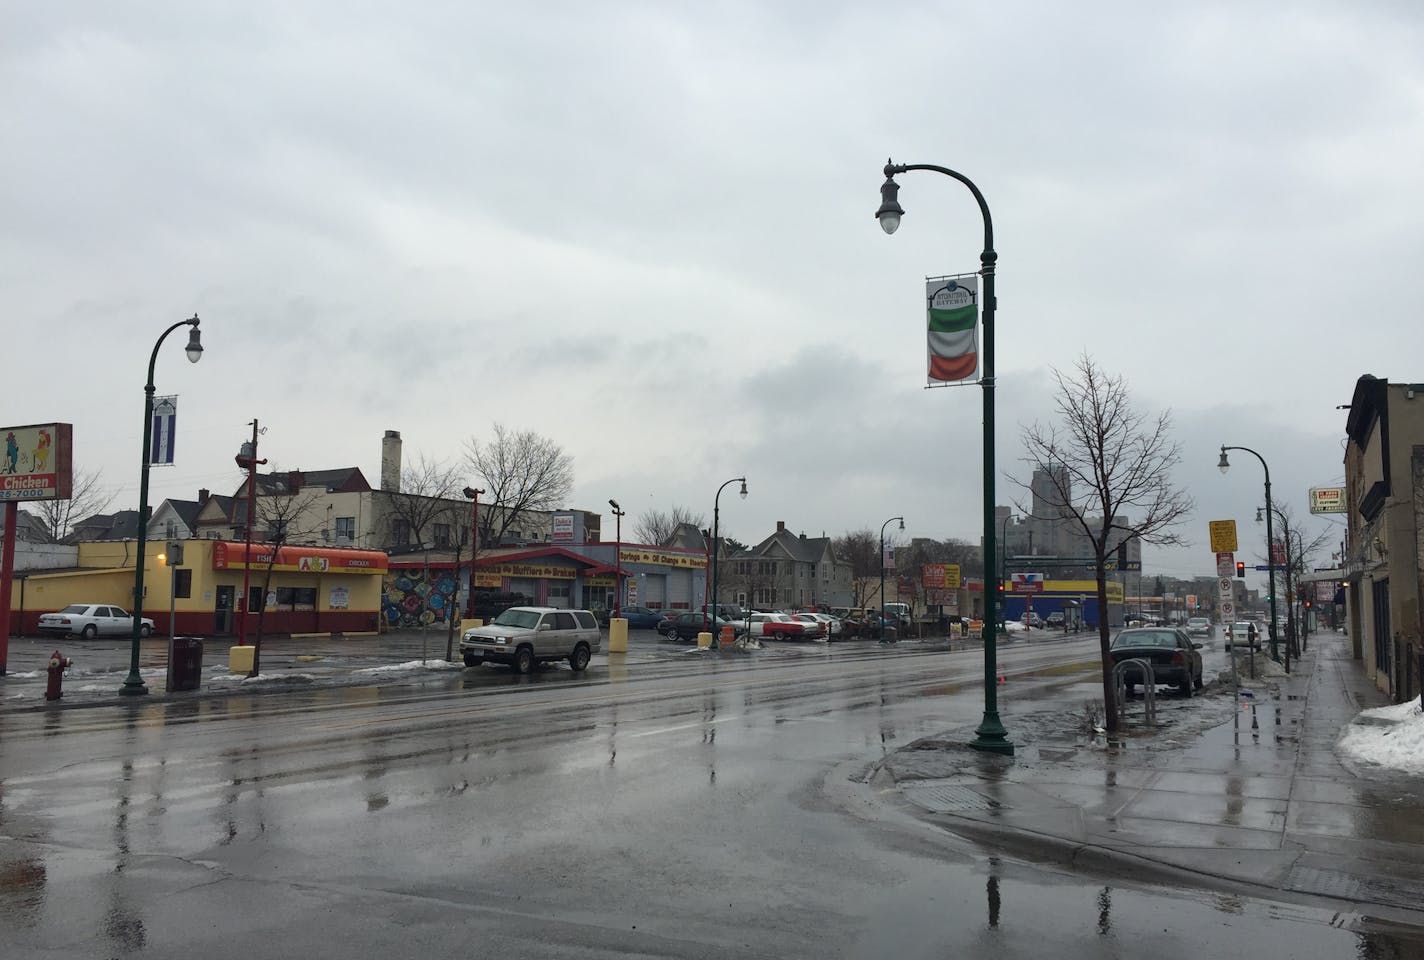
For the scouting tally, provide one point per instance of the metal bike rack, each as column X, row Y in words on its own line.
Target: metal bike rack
column 1149, row 688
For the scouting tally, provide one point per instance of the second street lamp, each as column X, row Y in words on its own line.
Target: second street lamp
column 1224, row 465
column 133, row 683
column 881, row 631
column 618, row 514
column 990, row 734
column 716, row 521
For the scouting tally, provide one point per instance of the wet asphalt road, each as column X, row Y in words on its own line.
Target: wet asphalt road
column 706, row 807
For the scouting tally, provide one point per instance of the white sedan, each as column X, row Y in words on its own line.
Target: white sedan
column 833, row 626
column 90, row 620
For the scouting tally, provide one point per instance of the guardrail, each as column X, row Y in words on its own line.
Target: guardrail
column 1149, row 688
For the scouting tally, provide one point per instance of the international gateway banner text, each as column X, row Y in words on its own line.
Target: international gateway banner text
column 953, row 338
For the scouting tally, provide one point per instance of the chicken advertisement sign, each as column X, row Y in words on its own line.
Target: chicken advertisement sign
column 35, row 464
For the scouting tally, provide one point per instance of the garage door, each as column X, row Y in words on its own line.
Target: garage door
column 679, row 589
column 652, row 590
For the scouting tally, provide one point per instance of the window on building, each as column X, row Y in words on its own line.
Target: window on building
column 400, row 532
column 442, row 534
column 170, row 530
column 346, row 529
column 766, row 568
column 183, row 583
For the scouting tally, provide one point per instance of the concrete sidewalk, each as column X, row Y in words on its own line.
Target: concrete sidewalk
column 1259, row 800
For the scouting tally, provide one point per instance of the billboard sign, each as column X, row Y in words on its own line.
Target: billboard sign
column 941, row 576
column 562, row 527
column 35, row 463
column 1026, row 582
column 1327, row 499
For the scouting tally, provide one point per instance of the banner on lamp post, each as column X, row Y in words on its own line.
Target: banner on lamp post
column 165, row 419
column 952, row 305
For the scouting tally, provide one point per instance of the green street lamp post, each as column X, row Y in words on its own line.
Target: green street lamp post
column 711, row 616
column 881, row 632
column 990, row 735
column 133, row 683
column 1224, row 465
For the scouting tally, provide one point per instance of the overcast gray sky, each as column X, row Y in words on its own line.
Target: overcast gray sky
column 646, row 231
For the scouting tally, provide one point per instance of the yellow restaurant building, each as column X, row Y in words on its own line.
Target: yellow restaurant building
column 305, row 590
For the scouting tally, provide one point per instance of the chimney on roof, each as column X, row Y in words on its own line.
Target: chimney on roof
column 781, row 526
column 803, row 534
column 294, row 482
column 391, row 461
column 203, row 494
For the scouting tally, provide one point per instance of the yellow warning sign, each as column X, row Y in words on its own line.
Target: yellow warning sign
column 1223, row 535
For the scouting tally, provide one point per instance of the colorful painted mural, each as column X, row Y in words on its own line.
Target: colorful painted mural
column 416, row 598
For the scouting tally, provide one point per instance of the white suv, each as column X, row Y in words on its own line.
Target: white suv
column 524, row 636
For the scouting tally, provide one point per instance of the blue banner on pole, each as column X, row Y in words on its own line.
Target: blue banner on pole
column 165, row 416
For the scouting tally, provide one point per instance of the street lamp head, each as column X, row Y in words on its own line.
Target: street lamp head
column 902, row 523
column 471, row 493
column 614, row 504
column 890, row 210
column 195, row 343
column 743, row 492
column 1223, row 464
column 1259, row 516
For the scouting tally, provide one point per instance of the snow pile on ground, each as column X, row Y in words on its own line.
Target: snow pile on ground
column 292, row 679
column 410, row 666
column 27, row 675
column 1014, row 626
column 1390, row 736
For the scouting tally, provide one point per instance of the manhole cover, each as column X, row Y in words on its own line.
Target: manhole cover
column 948, row 798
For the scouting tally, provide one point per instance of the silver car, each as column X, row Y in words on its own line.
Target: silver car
column 90, row 620
column 525, row 636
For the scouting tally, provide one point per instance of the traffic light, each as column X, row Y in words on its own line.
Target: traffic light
column 1241, row 569
column 1307, row 604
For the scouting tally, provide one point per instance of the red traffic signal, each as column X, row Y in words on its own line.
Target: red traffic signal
column 1241, row 569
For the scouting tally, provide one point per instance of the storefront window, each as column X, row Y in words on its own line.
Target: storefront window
column 296, row 598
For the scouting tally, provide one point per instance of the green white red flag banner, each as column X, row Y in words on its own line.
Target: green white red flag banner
column 953, row 338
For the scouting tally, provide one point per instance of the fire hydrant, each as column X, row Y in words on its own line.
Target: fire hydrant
column 57, row 665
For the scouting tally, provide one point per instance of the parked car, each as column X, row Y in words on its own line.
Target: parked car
column 779, row 626
column 1055, row 621
column 641, row 618
column 1174, row 657
column 90, row 620
column 1032, row 620
column 1244, row 633
column 833, row 624
column 525, row 636
column 819, row 622
column 1199, row 627
column 686, row 625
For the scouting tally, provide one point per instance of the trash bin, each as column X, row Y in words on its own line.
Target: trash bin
column 185, row 664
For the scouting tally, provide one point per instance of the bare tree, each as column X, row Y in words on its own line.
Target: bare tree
column 523, row 472
column 286, row 515
column 1299, row 549
column 656, row 527
column 429, row 495
column 861, row 549
column 86, row 498
column 1109, row 470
